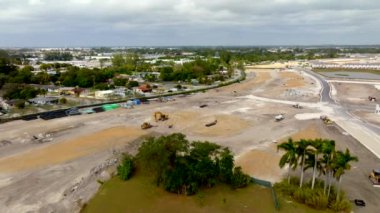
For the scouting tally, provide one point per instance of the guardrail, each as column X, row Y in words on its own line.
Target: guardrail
column 36, row 115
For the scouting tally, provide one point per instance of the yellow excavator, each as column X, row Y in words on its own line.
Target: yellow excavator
column 159, row 116
column 326, row 119
column 146, row 125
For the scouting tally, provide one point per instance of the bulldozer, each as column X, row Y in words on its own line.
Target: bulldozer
column 297, row 106
column 326, row 119
column 159, row 116
column 374, row 176
column 146, row 125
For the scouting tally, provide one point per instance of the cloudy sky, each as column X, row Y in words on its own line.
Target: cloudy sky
column 188, row 22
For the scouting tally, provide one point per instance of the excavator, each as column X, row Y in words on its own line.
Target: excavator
column 326, row 119
column 146, row 125
column 159, row 116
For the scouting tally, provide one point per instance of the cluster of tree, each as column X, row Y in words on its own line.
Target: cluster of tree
column 319, row 155
column 197, row 69
column 183, row 167
column 84, row 77
column 21, row 91
column 128, row 63
column 58, row 56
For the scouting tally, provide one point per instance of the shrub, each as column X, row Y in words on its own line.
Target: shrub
column 317, row 200
column 239, row 179
column 126, row 168
column 63, row 101
column 20, row 104
column 285, row 188
column 342, row 206
column 314, row 198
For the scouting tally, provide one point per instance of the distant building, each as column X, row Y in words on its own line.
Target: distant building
column 103, row 94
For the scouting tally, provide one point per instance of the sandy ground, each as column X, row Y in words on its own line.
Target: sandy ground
column 51, row 154
column 286, row 84
column 275, row 65
column 355, row 97
column 355, row 93
column 60, row 174
column 262, row 162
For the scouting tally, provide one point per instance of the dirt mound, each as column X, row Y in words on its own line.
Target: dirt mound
column 261, row 164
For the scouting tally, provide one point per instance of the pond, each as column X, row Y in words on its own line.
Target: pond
column 352, row 75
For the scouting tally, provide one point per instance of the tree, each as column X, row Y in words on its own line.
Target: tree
column 126, row 168
column 239, row 179
column 328, row 150
column 118, row 60
column 302, row 149
column 183, row 167
column 341, row 164
column 316, row 146
column 290, row 156
column 133, row 84
column 41, row 78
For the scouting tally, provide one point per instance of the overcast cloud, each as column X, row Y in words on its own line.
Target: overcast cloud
column 188, row 22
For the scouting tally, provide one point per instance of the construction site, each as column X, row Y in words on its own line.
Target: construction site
column 54, row 165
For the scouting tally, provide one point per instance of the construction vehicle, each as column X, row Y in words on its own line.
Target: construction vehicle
column 359, row 202
column 297, row 106
column 211, row 124
column 279, row 117
column 159, row 116
column 326, row 119
column 371, row 98
column 146, row 125
column 375, row 176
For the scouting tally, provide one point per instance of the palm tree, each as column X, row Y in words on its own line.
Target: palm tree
column 328, row 150
column 341, row 164
column 290, row 156
column 302, row 149
column 317, row 148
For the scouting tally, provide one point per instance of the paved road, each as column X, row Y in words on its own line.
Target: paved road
column 326, row 89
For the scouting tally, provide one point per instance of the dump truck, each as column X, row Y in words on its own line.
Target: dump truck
column 146, row 125
column 159, row 116
column 326, row 119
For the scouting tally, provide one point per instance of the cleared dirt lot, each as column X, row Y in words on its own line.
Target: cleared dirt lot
column 60, row 174
column 355, row 97
column 286, row 84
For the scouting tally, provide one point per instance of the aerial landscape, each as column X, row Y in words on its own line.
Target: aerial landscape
column 189, row 106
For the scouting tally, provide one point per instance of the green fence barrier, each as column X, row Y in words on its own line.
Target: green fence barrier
column 268, row 185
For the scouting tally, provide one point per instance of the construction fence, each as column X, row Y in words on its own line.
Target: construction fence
column 270, row 186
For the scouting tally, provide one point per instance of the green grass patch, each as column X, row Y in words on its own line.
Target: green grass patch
column 140, row 194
